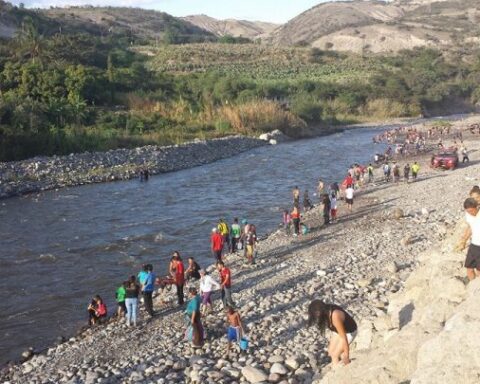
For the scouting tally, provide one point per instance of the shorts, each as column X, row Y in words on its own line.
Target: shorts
column 122, row 305
column 473, row 257
column 207, row 298
column 233, row 334
column 349, row 201
column 250, row 250
column 350, row 336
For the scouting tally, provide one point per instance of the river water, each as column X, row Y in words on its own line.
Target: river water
column 60, row 248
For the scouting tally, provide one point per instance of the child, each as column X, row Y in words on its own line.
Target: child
column 235, row 327
column 333, row 206
column 120, row 297
column 326, row 209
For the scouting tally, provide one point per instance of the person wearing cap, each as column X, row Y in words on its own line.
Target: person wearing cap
column 207, row 286
column 216, row 241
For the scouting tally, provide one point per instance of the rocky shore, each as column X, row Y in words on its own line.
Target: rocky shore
column 45, row 173
column 411, row 326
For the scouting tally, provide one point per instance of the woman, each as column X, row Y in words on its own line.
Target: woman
column 194, row 331
column 342, row 325
column 207, row 285
column 177, row 270
column 97, row 311
column 132, row 290
column 296, row 220
column 193, row 270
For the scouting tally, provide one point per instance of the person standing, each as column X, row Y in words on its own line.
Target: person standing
column 295, row 215
column 296, row 197
column 148, row 285
column 178, row 273
column 464, row 152
column 216, row 241
column 349, row 197
column 195, row 332
column 326, row 209
column 132, row 291
column 370, row 172
column 406, row 172
column 250, row 241
column 307, row 204
column 415, row 169
column 333, row 207
column 287, row 219
column 235, row 234
column 225, row 232
column 472, row 233
column 337, row 320
column 207, row 286
column 235, row 329
column 120, row 297
column 225, row 284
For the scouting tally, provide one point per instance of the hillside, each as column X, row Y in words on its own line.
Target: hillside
column 330, row 17
column 232, row 27
column 132, row 22
column 375, row 26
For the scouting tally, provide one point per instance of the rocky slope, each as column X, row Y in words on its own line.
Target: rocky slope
column 232, row 27
column 363, row 262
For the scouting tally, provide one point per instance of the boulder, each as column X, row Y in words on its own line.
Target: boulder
column 254, row 375
column 398, row 213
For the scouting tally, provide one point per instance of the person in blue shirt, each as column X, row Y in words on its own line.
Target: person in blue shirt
column 147, row 282
column 195, row 332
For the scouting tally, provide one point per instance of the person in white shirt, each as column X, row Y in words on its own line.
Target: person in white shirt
column 207, row 286
column 349, row 197
column 472, row 233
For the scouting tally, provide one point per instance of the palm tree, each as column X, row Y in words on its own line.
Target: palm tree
column 31, row 41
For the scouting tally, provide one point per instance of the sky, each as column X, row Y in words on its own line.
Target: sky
column 276, row 11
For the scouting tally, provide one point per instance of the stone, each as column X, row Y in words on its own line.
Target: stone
column 321, row 273
column 398, row 213
column 274, row 378
column 292, row 363
column 254, row 375
column 278, row 368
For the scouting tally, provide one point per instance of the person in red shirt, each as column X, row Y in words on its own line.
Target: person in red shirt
column 217, row 244
column 225, row 284
column 348, row 180
column 177, row 270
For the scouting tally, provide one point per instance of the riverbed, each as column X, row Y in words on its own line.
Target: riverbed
column 61, row 247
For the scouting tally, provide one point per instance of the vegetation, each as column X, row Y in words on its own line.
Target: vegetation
column 69, row 92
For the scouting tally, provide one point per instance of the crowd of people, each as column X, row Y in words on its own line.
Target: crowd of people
column 240, row 239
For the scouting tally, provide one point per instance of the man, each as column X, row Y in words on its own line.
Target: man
column 225, row 284
column 463, row 151
column 250, row 241
column 236, row 231
column 177, row 271
column 472, row 261
column 415, row 169
column 225, row 232
column 296, row 196
column 216, row 242
column 147, row 286
column 370, row 172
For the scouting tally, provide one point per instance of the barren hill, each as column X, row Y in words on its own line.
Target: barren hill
column 378, row 26
column 330, row 17
column 232, row 27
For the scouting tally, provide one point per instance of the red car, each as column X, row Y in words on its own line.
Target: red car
column 445, row 160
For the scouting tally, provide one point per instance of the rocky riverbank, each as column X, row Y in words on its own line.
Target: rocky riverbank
column 363, row 262
column 44, row 173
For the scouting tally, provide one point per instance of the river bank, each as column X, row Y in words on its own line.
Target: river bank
column 46, row 173
column 357, row 262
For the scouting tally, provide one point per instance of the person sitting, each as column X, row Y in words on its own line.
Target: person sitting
column 193, row 270
column 97, row 311
column 337, row 320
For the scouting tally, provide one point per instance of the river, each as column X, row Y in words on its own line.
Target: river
column 61, row 247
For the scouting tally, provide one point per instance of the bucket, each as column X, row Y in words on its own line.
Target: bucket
column 243, row 344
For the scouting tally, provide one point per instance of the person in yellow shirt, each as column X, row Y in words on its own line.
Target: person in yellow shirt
column 224, row 230
column 415, row 168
